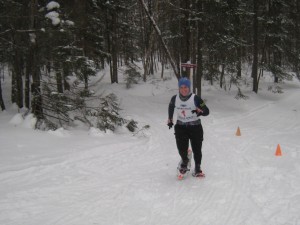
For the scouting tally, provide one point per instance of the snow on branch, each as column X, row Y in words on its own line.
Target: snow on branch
column 52, row 5
column 53, row 15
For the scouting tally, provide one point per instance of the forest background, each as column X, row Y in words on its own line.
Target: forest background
column 51, row 49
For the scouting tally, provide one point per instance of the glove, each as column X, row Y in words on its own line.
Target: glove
column 170, row 124
column 199, row 113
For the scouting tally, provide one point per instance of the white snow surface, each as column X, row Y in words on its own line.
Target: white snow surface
column 87, row 177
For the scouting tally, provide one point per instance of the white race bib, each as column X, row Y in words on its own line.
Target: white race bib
column 184, row 109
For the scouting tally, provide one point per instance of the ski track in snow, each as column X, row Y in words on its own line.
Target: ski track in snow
column 132, row 181
column 269, row 179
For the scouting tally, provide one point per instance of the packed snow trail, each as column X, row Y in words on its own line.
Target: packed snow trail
column 262, row 181
column 72, row 178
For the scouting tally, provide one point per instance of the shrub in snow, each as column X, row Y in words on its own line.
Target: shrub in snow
column 275, row 89
column 78, row 103
column 240, row 95
column 132, row 125
column 132, row 76
column 107, row 113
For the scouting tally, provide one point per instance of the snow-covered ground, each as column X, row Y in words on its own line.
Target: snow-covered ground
column 85, row 177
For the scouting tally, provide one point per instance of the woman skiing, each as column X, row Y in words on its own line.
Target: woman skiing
column 189, row 108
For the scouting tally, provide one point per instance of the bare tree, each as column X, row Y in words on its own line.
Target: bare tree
column 158, row 32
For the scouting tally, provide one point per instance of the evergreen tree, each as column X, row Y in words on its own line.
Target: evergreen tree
column 53, row 48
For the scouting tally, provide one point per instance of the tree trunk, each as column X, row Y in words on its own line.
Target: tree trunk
column 36, row 102
column 222, row 75
column 186, row 37
column 27, row 80
column 297, row 39
column 66, row 72
column 162, row 69
column 147, row 56
column 1, row 98
column 277, row 62
column 13, row 87
column 200, row 33
column 239, row 62
column 19, row 76
column 255, row 46
column 59, row 82
column 114, row 49
column 79, row 15
column 17, row 71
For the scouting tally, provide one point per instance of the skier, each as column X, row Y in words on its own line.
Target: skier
column 188, row 126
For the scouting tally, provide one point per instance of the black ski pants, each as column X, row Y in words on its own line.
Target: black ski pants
column 183, row 135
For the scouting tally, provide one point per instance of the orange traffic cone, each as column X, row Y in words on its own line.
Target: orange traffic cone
column 278, row 151
column 238, row 132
